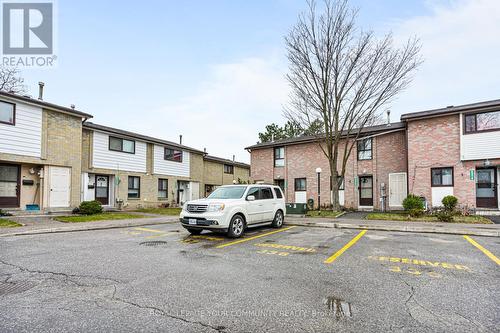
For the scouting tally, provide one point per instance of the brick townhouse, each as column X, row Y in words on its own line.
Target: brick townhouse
column 434, row 153
column 52, row 158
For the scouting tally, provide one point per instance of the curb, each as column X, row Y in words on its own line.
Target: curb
column 412, row 229
column 86, row 228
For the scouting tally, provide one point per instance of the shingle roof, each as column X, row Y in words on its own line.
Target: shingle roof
column 103, row 128
column 312, row 138
column 480, row 106
column 46, row 104
column 225, row 161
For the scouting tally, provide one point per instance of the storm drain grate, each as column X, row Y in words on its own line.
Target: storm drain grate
column 153, row 243
column 15, row 287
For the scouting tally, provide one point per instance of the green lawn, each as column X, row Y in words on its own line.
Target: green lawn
column 474, row 219
column 323, row 213
column 4, row 223
column 160, row 211
column 98, row 217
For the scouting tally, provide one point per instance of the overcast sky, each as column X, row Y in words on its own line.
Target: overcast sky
column 213, row 70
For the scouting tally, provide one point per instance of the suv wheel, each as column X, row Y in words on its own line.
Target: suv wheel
column 194, row 231
column 278, row 219
column 236, row 227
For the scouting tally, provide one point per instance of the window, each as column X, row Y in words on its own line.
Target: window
column 300, row 184
column 481, row 122
column 7, row 113
column 365, row 149
column 121, row 145
column 341, row 186
column 162, row 188
column 134, row 187
column 255, row 192
column 228, row 169
column 266, row 193
column 442, row 176
column 277, row 190
column 173, row 155
column 279, row 156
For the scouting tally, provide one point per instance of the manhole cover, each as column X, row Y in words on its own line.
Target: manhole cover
column 339, row 308
column 153, row 243
column 15, row 287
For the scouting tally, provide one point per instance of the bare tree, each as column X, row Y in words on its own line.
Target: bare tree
column 343, row 77
column 11, row 80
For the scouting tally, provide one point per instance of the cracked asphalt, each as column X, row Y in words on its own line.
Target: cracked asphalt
column 158, row 278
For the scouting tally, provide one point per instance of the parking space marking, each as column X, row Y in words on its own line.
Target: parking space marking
column 150, row 230
column 169, row 233
column 347, row 246
column 418, row 262
column 253, row 237
column 286, row 247
column 482, row 249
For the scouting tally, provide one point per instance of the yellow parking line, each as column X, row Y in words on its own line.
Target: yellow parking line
column 482, row 249
column 150, row 230
column 163, row 234
column 342, row 250
column 253, row 237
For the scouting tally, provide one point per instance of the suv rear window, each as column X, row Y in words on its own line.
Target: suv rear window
column 266, row 193
column 277, row 190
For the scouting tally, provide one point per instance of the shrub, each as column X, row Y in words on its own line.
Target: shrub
column 416, row 212
column 4, row 213
column 444, row 216
column 90, row 207
column 449, row 203
column 413, row 202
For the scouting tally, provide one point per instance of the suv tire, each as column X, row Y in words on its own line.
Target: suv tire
column 194, row 231
column 278, row 219
column 236, row 227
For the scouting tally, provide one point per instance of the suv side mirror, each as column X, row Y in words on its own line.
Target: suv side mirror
column 251, row 198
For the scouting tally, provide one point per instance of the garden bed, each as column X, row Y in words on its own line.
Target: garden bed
column 99, row 217
column 6, row 223
column 161, row 211
column 402, row 216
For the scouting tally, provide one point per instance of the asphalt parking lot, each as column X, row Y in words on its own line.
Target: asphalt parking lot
column 159, row 278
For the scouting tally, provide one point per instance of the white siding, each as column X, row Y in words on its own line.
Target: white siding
column 438, row 193
column 25, row 138
column 479, row 146
column 171, row 168
column 109, row 159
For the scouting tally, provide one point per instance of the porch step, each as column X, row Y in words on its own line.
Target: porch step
column 486, row 212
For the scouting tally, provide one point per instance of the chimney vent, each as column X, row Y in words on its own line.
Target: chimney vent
column 180, row 139
column 233, row 158
column 388, row 117
column 40, row 90
column 72, row 106
column 205, row 150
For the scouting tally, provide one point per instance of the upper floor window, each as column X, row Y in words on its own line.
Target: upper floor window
column 300, row 184
column 365, row 149
column 122, row 145
column 7, row 113
column 442, row 176
column 173, row 154
column 279, row 156
column 481, row 122
column 228, row 169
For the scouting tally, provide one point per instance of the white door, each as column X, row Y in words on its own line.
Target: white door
column 59, row 186
column 195, row 190
column 397, row 189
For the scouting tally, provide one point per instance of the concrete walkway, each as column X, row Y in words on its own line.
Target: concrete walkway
column 492, row 230
column 45, row 224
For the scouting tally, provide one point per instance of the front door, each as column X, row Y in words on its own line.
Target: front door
column 366, row 191
column 60, row 186
column 486, row 188
column 9, row 185
column 102, row 189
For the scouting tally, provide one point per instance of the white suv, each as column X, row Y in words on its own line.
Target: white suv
column 233, row 208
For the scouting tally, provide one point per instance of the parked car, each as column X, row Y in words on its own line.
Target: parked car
column 233, row 208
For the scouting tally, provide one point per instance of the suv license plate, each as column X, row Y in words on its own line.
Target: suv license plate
column 192, row 221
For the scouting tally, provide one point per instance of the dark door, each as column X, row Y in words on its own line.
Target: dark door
column 9, row 185
column 102, row 189
column 366, row 191
column 280, row 183
column 486, row 188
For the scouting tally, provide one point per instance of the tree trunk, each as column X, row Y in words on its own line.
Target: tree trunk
column 334, row 186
